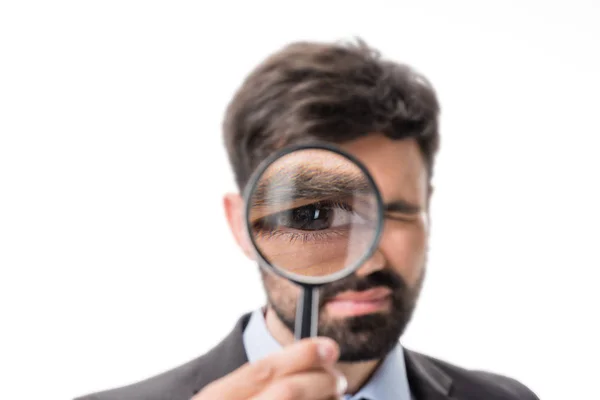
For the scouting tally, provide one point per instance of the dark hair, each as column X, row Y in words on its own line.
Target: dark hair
column 328, row 92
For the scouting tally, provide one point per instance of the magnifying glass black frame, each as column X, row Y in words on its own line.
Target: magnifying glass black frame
column 307, row 307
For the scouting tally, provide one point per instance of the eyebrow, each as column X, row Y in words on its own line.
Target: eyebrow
column 308, row 183
column 305, row 183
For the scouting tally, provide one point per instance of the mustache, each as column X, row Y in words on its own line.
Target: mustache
column 385, row 278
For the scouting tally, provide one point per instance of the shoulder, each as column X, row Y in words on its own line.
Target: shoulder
column 177, row 383
column 476, row 384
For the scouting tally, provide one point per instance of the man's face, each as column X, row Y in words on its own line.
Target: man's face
column 368, row 329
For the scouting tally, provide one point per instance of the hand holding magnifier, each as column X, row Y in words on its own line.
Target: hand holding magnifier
column 314, row 215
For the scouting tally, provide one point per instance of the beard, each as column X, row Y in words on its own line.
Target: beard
column 363, row 337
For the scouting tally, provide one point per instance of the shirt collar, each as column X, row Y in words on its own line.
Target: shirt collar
column 389, row 382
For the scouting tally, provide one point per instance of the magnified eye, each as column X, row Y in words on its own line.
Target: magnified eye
column 311, row 217
column 314, row 217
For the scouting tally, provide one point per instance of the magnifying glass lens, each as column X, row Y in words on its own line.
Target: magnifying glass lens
column 313, row 212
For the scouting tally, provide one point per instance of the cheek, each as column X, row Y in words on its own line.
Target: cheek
column 404, row 246
column 281, row 291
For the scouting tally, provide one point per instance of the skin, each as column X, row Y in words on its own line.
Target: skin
column 399, row 171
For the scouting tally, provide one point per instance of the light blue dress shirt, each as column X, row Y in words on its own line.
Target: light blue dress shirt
column 389, row 382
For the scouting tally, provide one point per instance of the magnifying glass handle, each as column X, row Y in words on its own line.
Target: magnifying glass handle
column 307, row 313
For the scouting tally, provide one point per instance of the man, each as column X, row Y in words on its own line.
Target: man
column 386, row 115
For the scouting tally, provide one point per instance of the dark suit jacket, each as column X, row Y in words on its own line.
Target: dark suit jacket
column 429, row 379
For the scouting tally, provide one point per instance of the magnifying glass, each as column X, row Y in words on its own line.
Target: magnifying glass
column 313, row 215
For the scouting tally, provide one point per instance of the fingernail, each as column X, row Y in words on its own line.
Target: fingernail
column 342, row 384
column 326, row 351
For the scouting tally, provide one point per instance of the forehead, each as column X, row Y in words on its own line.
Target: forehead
column 397, row 166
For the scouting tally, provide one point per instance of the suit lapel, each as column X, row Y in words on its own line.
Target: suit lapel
column 427, row 381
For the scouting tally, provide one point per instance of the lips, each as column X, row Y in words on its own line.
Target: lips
column 366, row 295
column 352, row 303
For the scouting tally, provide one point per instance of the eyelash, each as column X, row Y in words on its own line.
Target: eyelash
column 303, row 237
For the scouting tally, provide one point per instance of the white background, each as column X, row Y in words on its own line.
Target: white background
column 116, row 261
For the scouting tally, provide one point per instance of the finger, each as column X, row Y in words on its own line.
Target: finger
column 304, row 355
column 306, row 386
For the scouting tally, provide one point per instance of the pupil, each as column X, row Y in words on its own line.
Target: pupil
column 310, row 217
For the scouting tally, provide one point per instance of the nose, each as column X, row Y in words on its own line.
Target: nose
column 376, row 262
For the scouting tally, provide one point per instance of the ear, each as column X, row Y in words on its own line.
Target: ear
column 234, row 211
